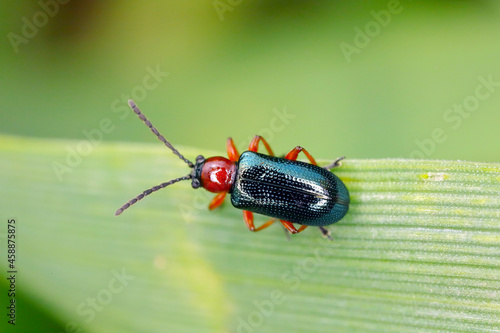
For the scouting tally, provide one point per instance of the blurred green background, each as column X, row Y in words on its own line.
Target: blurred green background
column 225, row 77
column 367, row 79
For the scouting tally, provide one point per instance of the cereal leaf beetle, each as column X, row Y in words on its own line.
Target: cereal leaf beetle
column 284, row 189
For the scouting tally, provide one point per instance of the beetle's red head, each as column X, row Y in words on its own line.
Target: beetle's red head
column 216, row 174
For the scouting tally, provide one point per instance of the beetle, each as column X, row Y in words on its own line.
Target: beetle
column 284, row 189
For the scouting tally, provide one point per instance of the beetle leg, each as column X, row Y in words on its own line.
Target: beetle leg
column 334, row 164
column 325, row 232
column 254, row 145
column 232, row 152
column 290, row 227
column 287, row 234
column 248, row 217
column 217, row 200
column 292, row 155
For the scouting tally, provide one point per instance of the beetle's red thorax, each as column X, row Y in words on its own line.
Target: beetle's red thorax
column 217, row 174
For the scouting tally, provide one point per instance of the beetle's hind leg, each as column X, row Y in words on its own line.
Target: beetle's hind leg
column 334, row 164
column 326, row 233
column 287, row 233
column 291, row 228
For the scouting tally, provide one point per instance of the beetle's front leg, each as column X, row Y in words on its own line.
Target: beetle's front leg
column 248, row 217
column 217, row 200
column 232, row 151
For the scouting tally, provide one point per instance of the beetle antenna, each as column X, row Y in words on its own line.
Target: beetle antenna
column 155, row 132
column 149, row 191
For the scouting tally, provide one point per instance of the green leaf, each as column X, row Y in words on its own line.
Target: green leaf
column 418, row 251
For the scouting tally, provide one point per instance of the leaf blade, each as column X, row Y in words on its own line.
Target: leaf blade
column 417, row 251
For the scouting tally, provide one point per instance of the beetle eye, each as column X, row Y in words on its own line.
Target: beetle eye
column 195, row 183
column 200, row 159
